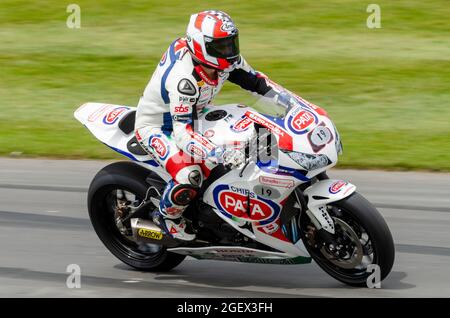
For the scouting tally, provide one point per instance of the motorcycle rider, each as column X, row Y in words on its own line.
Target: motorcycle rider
column 190, row 74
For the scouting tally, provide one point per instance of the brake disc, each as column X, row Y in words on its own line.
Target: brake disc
column 355, row 255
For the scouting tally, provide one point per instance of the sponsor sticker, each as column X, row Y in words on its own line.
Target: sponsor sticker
column 196, row 150
column 184, row 99
column 151, row 234
column 112, row 117
column 276, row 182
column 181, row 109
column 266, row 123
column 98, row 112
column 301, row 121
column 242, row 124
column 266, row 192
column 243, row 203
column 237, row 205
column 209, row 133
column 138, row 136
column 285, row 140
column 227, row 26
column 186, row 87
column 203, row 141
column 159, row 147
column 319, row 137
column 337, row 186
column 270, row 228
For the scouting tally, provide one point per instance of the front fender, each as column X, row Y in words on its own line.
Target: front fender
column 320, row 194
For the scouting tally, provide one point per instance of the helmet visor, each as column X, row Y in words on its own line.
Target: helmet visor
column 226, row 48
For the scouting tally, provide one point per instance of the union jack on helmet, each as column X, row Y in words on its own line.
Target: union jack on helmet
column 213, row 40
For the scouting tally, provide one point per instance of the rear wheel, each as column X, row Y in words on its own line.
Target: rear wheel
column 116, row 191
column 361, row 238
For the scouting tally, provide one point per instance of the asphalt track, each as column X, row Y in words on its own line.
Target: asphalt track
column 44, row 227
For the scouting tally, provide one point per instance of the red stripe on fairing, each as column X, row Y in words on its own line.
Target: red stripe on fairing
column 199, row 21
column 285, row 140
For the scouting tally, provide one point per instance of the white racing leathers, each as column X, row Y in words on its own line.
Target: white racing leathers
column 167, row 114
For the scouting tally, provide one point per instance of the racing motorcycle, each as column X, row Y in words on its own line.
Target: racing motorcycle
column 280, row 207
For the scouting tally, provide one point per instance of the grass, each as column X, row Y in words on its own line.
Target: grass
column 388, row 89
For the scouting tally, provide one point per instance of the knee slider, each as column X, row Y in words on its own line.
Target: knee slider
column 183, row 194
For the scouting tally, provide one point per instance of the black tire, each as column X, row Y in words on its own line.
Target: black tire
column 130, row 177
column 367, row 216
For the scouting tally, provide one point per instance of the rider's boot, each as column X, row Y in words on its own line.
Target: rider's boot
column 168, row 216
column 175, row 227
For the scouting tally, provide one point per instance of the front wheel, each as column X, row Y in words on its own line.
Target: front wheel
column 361, row 238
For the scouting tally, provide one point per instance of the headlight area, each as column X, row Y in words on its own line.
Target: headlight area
column 307, row 161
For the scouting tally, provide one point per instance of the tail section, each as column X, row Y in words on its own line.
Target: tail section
column 113, row 125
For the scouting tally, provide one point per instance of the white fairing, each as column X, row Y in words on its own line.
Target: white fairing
column 102, row 121
column 227, row 129
column 323, row 192
column 249, row 199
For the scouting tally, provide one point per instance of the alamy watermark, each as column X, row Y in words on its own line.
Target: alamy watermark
column 374, row 19
column 74, row 19
column 374, row 279
column 74, row 278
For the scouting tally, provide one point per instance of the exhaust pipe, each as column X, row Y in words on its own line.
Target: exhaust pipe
column 148, row 232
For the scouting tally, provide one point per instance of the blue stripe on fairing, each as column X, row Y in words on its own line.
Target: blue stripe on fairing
column 151, row 163
column 266, row 167
column 173, row 58
column 130, row 156
column 124, row 153
column 277, row 120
